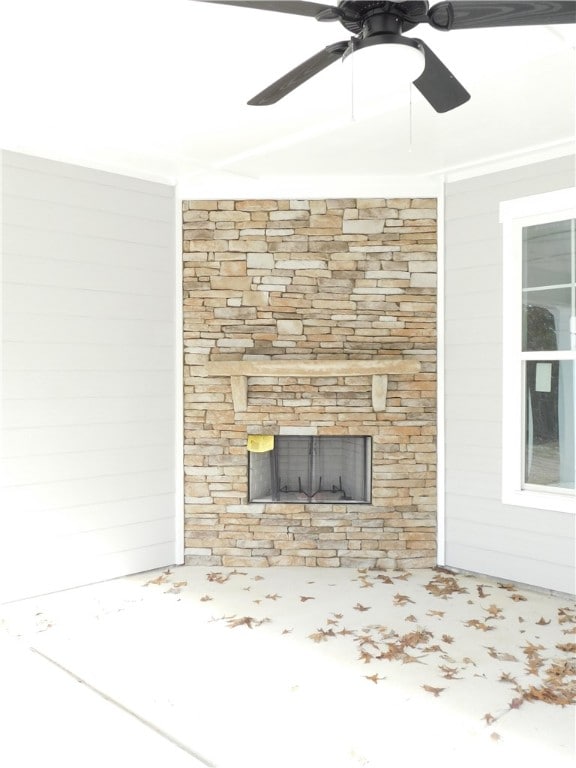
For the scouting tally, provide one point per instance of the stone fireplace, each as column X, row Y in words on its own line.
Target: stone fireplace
column 310, row 382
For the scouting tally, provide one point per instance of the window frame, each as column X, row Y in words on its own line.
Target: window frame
column 515, row 216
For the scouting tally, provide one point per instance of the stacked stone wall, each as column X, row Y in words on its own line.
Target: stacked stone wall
column 310, row 280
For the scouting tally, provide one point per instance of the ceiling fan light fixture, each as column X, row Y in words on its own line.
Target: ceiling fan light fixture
column 391, row 56
column 381, row 70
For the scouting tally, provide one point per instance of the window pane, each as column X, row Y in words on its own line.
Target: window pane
column 546, row 319
column 546, row 254
column 549, row 456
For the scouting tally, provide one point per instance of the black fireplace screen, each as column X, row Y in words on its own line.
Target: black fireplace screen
column 312, row 470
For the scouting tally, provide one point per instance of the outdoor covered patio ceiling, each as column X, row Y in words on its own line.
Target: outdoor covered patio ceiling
column 159, row 89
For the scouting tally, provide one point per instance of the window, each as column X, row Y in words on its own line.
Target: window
column 312, row 470
column 539, row 416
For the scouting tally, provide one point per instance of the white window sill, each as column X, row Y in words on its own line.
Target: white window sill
column 555, row 502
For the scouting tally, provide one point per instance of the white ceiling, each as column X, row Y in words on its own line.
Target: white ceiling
column 157, row 89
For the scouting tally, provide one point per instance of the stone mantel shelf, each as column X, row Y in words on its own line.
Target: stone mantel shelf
column 240, row 370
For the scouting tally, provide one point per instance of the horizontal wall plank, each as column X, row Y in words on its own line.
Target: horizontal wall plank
column 76, row 302
column 18, row 385
column 54, row 273
column 512, row 567
column 80, row 192
column 54, row 439
column 55, row 329
column 44, row 574
column 77, row 357
column 85, row 410
column 40, row 215
column 31, row 470
column 47, row 496
column 82, row 248
column 104, row 179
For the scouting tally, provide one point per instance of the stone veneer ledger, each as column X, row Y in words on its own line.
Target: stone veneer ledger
column 289, row 281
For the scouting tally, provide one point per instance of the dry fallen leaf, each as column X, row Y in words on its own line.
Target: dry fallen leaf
column 360, row 607
column 489, row 718
column 273, row 597
column 542, row 621
column 447, row 639
column 411, row 618
column 365, row 657
column 303, row 598
column 206, row 598
column 385, row 579
column 444, row 586
column 567, row 647
column 217, row 576
column 434, row 691
column 494, row 612
column 286, row 631
column 321, row 635
column 450, row 673
column 481, row 592
column 495, row 736
column 477, row 624
column 500, row 656
column 375, row 678
column 518, row 598
column 158, row 580
column 245, row 621
column 516, row 703
column 366, row 640
column 435, row 613
column 566, row 616
column 402, row 599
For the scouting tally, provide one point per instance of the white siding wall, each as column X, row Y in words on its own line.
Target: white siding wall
column 526, row 545
column 88, row 386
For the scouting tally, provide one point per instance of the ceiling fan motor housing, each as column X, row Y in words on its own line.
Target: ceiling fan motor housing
column 368, row 17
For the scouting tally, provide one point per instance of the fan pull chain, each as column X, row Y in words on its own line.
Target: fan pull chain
column 410, row 119
column 352, row 94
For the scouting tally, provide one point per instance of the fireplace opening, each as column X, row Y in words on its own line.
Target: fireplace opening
column 323, row 469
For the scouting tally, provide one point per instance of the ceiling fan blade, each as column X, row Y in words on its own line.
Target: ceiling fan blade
column 438, row 85
column 297, row 7
column 476, row 14
column 299, row 75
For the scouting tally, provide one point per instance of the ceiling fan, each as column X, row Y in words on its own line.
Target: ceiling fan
column 381, row 22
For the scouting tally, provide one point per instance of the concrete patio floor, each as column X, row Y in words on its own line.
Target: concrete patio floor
column 283, row 667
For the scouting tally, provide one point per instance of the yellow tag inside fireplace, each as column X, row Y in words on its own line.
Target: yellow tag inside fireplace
column 260, row 443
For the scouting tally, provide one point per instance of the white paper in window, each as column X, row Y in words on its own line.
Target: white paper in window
column 543, row 377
